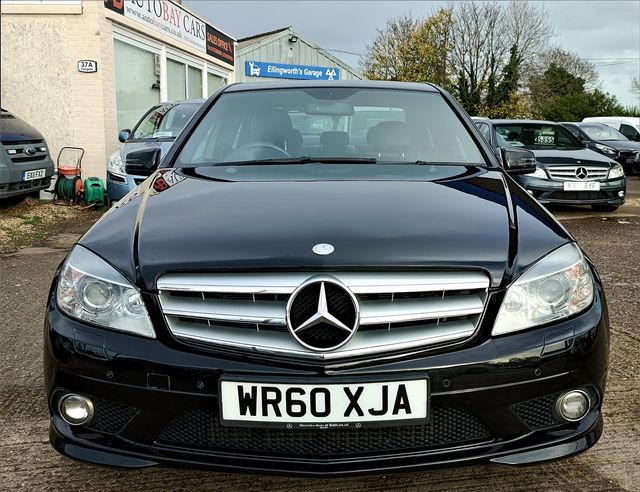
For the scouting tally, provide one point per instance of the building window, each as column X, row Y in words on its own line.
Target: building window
column 214, row 82
column 137, row 84
column 176, row 81
column 194, row 83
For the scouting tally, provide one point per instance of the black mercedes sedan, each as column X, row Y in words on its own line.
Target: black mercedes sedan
column 609, row 142
column 567, row 173
column 326, row 278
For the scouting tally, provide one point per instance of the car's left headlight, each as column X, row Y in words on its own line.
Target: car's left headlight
column 115, row 164
column 616, row 171
column 557, row 286
column 90, row 289
column 538, row 173
column 606, row 149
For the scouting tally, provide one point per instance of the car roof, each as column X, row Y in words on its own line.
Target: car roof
column 634, row 120
column 524, row 122
column 347, row 84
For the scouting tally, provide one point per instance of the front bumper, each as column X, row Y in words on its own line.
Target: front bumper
column 156, row 402
column 552, row 192
column 118, row 185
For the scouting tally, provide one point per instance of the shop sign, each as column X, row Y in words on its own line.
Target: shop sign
column 285, row 71
column 174, row 21
column 87, row 66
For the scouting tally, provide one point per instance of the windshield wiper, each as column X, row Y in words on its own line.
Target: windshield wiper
column 436, row 163
column 301, row 160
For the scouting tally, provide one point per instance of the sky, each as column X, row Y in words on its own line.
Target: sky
column 607, row 33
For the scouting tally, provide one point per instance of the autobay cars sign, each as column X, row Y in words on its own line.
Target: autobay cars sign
column 286, row 71
column 174, row 21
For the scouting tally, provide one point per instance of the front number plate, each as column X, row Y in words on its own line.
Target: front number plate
column 322, row 406
column 35, row 174
column 581, row 186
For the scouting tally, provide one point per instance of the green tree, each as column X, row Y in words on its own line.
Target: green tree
column 389, row 55
column 561, row 96
column 432, row 41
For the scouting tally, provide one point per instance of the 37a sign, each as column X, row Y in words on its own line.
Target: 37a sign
column 87, row 66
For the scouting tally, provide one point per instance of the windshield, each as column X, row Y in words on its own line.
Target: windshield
column 537, row 136
column 603, row 132
column 165, row 121
column 341, row 125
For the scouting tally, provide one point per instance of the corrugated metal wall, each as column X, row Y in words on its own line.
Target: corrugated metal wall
column 280, row 50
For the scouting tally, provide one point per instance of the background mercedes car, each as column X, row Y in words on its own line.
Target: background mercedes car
column 609, row 142
column 567, row 173
column 158, row 128
column 382, row 296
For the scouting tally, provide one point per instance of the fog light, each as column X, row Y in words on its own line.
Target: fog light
column 530, row 192
column 76, row 409
column 573, row 406
column 621, row 194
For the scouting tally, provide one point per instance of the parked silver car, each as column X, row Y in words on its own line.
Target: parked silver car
column 157, row 128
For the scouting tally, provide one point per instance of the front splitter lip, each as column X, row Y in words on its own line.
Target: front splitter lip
column 512, row 453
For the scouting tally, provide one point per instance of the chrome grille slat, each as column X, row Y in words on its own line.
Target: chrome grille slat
column 366, row 342
column 415, row 309
column 358, row 282
column 238, row 311
column 373, row 312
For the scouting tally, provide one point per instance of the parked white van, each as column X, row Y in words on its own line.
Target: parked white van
column 627, row 125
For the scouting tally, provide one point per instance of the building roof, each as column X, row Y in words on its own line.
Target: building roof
column 250, row 43
column 256, row 38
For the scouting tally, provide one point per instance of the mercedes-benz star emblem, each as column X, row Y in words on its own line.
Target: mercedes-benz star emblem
column 582, row 173
column 322, row 314
column 30, row 151
column 323, row 249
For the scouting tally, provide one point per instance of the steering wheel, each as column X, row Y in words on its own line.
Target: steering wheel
column 260, row 150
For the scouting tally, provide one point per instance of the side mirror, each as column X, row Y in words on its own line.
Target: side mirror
column 586, row 143
column 124, row 135
column 142, row 162
column 518, row 161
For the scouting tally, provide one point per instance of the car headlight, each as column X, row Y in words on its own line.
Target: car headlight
column 616, row 172
column 91, row 290
column 557, row 286
column 115, row 164
column 538, row 173
column 606, row 149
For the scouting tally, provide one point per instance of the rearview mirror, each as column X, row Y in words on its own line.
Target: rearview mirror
column 518, row 161
column 124, row 135
column 142, row 162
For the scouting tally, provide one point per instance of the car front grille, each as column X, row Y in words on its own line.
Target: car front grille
column 579, row 195
column 446, row 426
column 401, row 310
column 568, row 173
column 26, row 151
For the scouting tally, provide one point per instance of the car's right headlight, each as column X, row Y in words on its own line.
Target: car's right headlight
column 616, row 171
column 556, row 287
column 606, row 149
column 115, row 164
column 90, row 289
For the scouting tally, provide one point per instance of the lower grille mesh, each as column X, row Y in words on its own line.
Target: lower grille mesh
column 110, row 417
column 538, row 413
column 450, row 425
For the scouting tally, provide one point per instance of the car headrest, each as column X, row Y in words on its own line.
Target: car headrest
column 389, row 134
column 334, row 139
column 272, row 125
